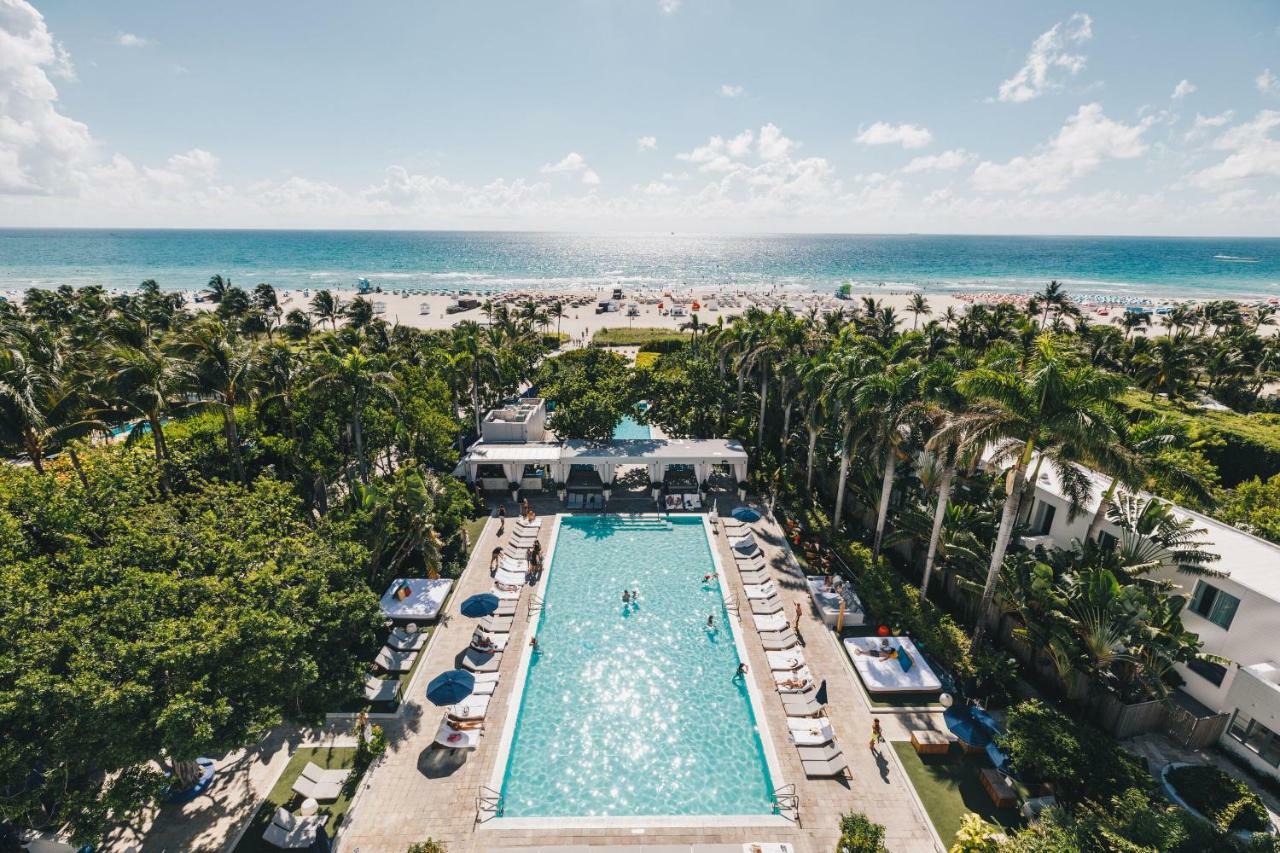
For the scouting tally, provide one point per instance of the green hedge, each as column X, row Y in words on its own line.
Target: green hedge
column 1240, row 446
column 643, row 337
column 1223, row 799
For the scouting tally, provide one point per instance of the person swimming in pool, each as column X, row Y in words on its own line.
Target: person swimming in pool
column 741, row 673
column 626, row 596
column 711, row 622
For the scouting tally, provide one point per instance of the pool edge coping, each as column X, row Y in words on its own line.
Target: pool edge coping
column 754, row 702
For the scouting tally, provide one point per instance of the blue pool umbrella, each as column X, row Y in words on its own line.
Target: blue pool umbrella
column 745, row 514
column 481, row 604
column 449, row 688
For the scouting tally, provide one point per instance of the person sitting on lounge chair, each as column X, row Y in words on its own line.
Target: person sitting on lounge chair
column 481, row 642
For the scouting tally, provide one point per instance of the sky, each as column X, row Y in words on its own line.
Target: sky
column 644, row 115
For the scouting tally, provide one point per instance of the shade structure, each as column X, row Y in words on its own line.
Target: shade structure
column 480, row 604
column 746, row 513
column 449, row 688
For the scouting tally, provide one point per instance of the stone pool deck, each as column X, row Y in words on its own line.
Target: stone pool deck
column 421, row 791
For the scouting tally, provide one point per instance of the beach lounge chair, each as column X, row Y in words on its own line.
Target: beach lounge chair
column 402, row 641
column 793, row 681
column 755, row 578
column 810, row 731
column 472, row 708
column 506, row 577
column 746, row 564
column 762, row 590
column 505, row 593
column 481, row 661
column 459, row 737
column 785, row 661
column 486, row 683
column 320, row 784
column 482, row 640
column 779, row 641
column 829, row 752
column 381, row 690
column 395, row 661
column 772, row 622
column 767, row 606
column 507, row 608
column 496, row 624
column 293, row 833
column 801, row 704
column 837, row 766
column 529, row 525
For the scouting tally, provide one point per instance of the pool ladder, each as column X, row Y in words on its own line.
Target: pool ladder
column 731, row 604
column 536, row 604
column 787, row 802
column 488, row 804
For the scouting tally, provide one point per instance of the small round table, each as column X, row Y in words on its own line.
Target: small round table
column 309, row 807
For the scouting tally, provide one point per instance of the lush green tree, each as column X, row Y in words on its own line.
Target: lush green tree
column 590, row 389
column 1254, row 505
column 859, row 834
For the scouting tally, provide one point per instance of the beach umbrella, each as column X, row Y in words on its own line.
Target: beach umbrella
column 747, row 544
column 450, row 688
column 746, row 514
column 481, row 604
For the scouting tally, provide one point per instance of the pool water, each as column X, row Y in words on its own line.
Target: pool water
column 629, row 427
column 634, row 710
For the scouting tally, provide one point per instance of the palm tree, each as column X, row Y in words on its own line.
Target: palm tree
column 1053, row 407
column 944, row 403
column 220, row 369
column 267, row 304
column 297, row 325
column 1168, row 365
column 474, row 359
column 42, row 403
column 557, row 312
column 1134, row 320
column 364, row 377
column 1152, row 537
column 326, row 307
column 949, row 317
column 359, row 312
column 1054, row 299
column 217, row 288
column 813, row 402
column 143, row 382
column 918, row 305
column 888, row 395
column 842, row 376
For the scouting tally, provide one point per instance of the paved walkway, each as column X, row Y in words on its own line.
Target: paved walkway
column 422, row 791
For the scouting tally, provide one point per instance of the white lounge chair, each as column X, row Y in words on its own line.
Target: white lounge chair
column 496, row 624
column 755, row 578
column 505, row 577
column 838, row 766
column 810, row 731
column 483, row 641
column 763, row 607
column 801, row 704
column 772, row 622
column 481, row 661
column 506, row 608
column 394, row 661
column 828, row 752
column 785, row 661
column 402, row 641
column 454, row 737
column 320, row 784
column 293, row 833
column 381, row 690
column 749, row 564
column 764, row 590
column 794, row 681
column 779, row 641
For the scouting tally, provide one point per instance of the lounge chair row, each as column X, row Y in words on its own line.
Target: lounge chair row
column 397, row 656
column 807, row 724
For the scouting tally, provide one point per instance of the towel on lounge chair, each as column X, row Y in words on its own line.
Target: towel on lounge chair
column 763, row 590
column 810, row 731
column 772, row 622
column 474, row 707
column 785, row 661
column 454, row 737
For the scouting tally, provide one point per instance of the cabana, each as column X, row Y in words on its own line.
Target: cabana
column 415, row 598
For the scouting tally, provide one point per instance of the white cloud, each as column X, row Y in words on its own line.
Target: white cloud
column 131, row 40
column 40, row 148
column 945, row 162
column 1254, row 153
column 1186, row 87
column 772, row 145
column 655, row 188
column 646, row 143
column 1049, row 53
column 1084, row 142
column 1203, row 123
column 1267, row 83
column 668, row 7
column 572, row 163
column 906, row 135
column 729, row 90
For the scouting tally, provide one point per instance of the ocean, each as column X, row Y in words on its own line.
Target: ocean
column 420, row 261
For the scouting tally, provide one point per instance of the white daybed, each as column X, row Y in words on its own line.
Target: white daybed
column 881, row 676
column 424, row 598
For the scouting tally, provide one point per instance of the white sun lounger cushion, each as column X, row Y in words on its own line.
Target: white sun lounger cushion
column 394, row 661
column 886, row 675
column 403, row 641
column 497, row 642
column 472, row 708
column 509, row 578
column 763, row 607
column 481, row 661
column 801, row 678
column 381, row 690
column 787, row 661
column 466, row 738
column 772, row 622
column 764, row 590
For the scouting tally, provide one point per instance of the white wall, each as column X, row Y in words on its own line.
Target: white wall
column 1261, row 701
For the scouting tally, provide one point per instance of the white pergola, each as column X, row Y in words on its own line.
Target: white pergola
column 656, row 454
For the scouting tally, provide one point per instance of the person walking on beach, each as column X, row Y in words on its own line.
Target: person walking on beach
column 877, row 736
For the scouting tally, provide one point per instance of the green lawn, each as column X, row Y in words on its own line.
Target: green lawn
column 282, row 795
column 619, row 337
column 949, row 787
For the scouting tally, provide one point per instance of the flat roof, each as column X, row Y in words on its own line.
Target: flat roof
column 498, row 452
column 621, row 450
column 1252, row 562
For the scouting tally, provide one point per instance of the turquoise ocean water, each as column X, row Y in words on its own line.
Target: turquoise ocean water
column 494, row 261
column 634, row 709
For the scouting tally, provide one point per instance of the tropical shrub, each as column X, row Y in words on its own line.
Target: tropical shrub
column 1254, row 505
column 428, row 846
column 1223, row 799
column 975, row 836
column 858, row 834
column 1079, row 760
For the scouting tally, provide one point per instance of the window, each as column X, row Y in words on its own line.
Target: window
column 1042, row 519
column 1213, row 604
column 1209, row 671
column 1256, row 738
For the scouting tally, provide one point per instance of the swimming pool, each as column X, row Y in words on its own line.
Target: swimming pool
column 633, row 711
column 629, row 427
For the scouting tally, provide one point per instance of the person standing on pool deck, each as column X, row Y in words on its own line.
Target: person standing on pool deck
column 502, row 519
column 877, row 736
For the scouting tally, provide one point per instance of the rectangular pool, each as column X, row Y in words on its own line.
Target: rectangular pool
column 629, row 427
column 633, row 710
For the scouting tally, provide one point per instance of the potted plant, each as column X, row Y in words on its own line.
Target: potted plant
column 742, row 490
column 560, row 490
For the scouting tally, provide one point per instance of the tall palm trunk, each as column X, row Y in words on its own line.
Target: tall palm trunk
column 845, row 453
column 475, row 403
column 786, row 428
column 161, row 450
column 886, row 492
column 232, row 432
column 1104, row 504
column 813, row 447
column 764, row 397
column 1011, row 503
column 35, row 449
column 357, row 440
column 935, row 536
column 75, row 463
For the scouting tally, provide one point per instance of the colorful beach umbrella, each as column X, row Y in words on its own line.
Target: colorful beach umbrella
column 481, row 604
column 450, row 688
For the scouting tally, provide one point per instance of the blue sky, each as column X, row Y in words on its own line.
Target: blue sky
column 699, row 115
